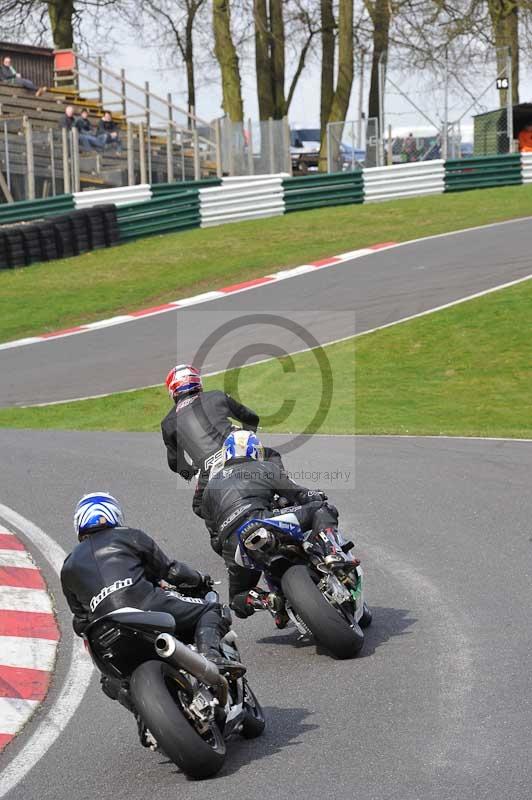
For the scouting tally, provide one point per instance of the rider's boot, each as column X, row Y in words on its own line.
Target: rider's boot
column 208, row 636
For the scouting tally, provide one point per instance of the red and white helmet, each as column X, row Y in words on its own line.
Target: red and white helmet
column 182, row 379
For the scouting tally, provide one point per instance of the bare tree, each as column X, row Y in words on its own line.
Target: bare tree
column 344, row 80
column 226, row 55
column 35, row 18
column 276, row 24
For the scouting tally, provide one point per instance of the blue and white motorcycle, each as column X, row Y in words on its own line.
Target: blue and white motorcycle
column 314, row 581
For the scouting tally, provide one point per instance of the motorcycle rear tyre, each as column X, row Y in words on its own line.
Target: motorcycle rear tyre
column 175, row 735
column 329, row 627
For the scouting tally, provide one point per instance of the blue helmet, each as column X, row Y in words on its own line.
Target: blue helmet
column 97, row 510
column 243, row 444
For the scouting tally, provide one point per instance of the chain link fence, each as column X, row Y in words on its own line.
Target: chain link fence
column 255, row 148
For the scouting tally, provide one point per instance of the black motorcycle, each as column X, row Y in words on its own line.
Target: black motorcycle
column 183, row 705
column 314, row 579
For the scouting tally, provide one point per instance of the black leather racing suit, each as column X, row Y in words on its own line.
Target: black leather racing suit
column 117, row 567
column 198, row 426
column 245, row 488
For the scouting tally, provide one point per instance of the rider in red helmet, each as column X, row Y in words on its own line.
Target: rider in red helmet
column 195, row 429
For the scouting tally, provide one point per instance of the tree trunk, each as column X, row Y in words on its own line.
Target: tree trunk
column 277, row 58
column 504, row 15
column 189, row 64
column 263, row 65
column 61, row 13
column 381, row 18
column 344, row 84
column 227, row 58
column 327, row 62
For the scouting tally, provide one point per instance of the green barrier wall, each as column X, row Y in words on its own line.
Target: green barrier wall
column 165, row 189
column 317, row 191
column 35, row 209
column 482, row 172
column 162, row 214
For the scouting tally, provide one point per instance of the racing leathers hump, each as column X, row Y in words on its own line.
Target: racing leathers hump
column 114, row 568
column 244, row 487
column 198, row 425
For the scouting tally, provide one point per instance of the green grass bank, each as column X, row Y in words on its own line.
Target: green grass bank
column 464, row 371
column 96, row 285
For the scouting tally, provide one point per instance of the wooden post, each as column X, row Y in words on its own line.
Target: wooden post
column 123, row 91
column 147, row 102
column 197, row 167
column 30, row 166
column 100, row 80
column 251, row 165
column 142, row 155
column 182, row 156
column 286, row 142
column 6, row 151
column 52, row 160
column 75, row 160
column 5, row 188
column 169, row 153
column 271, row 146
column 130, row 156
column 170, row 109
column 218, row 135
column 66, row 166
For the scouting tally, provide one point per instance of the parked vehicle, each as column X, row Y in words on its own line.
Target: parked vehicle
column 305, row 149
column 314, row 580
column 182, row 703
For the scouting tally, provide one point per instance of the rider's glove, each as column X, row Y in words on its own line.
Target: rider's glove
column 206, row 583
column 242, row 605
column 188, row 474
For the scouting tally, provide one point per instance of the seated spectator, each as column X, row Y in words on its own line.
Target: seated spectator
column 108, row 128
column 9, row 74
column 525, row 139
column 87, row 140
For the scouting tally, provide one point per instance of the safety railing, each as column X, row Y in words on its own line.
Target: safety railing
column 317, row 191
column 241, row 199
column 481, row 172
column 404, row 180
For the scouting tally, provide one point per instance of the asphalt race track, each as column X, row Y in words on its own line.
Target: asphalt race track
column 437, row 707
column 329, row 303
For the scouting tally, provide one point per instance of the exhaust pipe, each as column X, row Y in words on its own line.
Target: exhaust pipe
column 182, row 657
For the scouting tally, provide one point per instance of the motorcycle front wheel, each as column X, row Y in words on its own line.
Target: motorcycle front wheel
column 156, row 694
column 328, row 625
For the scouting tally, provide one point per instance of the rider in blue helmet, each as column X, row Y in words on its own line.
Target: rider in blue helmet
column 115, row 566
column 245, row 488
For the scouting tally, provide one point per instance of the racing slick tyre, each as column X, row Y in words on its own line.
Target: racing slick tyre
column 329, row 627
column 157, row 697
column 253, row 723
column 367, row 616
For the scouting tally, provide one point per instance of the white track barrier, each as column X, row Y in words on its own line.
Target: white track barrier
column 242, row 199
column 404, row 180
column 526, row 167
column 119, row 196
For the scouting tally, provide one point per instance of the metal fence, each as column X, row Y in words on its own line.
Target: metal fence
column 254, row 148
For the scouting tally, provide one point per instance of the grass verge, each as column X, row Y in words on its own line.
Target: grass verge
column 60, row 294
column 463, row 371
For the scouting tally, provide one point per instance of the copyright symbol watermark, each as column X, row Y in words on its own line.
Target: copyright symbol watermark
column 301, row 394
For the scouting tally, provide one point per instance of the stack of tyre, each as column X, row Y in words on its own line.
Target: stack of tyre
column 58, row 237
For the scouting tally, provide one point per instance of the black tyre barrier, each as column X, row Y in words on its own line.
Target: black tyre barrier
column 112, row 232
column 81, row 231
column 59, row 237
column 4, row 264
column 46, row 233
column 16, row 252
column 32, row 243
column 96, row 227
column 64, row 236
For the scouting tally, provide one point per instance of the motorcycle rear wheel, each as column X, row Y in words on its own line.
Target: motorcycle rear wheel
column 329, row 627
column 175, row 734
column 253, row 723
